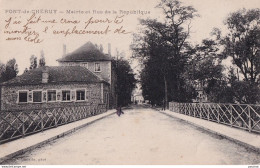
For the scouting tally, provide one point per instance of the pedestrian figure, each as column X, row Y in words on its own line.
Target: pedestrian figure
column 119, row 111
column 164, row 104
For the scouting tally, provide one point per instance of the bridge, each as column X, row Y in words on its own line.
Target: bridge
column 142, row 135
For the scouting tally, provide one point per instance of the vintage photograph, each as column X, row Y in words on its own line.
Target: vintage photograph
column 130, row 82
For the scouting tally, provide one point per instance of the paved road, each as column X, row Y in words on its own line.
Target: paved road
column 140, row 136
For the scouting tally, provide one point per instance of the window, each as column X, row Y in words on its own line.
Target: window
column 85, row 65
column 97, row 67
column 37, row 96
column 51, row 95
column 80, row 95
column 23, row 96
column 66, row 95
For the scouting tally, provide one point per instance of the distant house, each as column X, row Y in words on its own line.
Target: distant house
column 138, row 98
column 201, row 94
column 91, row 58
column 57, row 86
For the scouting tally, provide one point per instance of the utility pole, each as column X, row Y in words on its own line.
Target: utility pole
column 116, row 76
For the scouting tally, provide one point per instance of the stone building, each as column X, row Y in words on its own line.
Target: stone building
column 99, row 63
column 57, row 86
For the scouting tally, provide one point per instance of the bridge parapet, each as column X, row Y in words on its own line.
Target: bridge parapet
column 242, row 116
column 14, row 125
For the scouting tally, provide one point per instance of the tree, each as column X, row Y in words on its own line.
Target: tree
column 42, row 60
column 25, row 70
column 205, row 71
column 8, row 71
column 204, row 62
column 33, row 61
column 152, row 85
column 242, row 43
column 125, row 83
column 242, row 91
column 162, row 44
column 2, row 71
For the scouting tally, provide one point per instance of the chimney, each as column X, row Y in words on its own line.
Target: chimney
column 109, row 49
column 45, row 75
column 64, row 50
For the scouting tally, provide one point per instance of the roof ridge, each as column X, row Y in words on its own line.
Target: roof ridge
column 87, row 52
column 57, row 74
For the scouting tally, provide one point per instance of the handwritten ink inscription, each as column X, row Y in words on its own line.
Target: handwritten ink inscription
column 34, row 28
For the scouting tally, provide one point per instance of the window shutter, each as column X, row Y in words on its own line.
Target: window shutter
column 18, row 95
column 86, row 95
column 59, row 96
column 44, row 96
column 30, row 96
column 73, row 95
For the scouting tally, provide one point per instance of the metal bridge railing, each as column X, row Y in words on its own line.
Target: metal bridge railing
column 243, row 116
column 18, row 124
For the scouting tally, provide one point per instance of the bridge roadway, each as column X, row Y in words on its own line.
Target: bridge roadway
column 140, row 136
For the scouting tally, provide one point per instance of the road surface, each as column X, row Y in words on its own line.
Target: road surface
column 140, row 136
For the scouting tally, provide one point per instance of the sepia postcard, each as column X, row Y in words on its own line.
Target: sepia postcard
column 130, row 82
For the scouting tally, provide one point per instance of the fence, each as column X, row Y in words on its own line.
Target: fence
column 243, row 116
column 14, row 125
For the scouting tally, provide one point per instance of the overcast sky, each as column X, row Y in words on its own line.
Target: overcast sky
column 212, row 13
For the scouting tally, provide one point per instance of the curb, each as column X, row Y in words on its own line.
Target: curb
column 22, row 151
column 246, row 145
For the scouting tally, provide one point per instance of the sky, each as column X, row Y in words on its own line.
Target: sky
column 212, row 14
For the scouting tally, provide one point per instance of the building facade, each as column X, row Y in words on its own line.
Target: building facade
column 49, row 87
column 93, row 59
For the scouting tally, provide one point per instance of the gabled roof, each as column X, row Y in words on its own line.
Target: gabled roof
column 57, row 74
column 86, row 53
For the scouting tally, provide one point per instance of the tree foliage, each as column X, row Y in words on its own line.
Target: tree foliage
column 33, row 62
column 25, row 70
column 42, row 60
column 161, row 47
column 205, row 71
column 242, row 91
column 174, row 69
column 125, row 82
column 8, row 71
column 242, row 44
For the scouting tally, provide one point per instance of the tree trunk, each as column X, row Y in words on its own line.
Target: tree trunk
column 165, row 93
